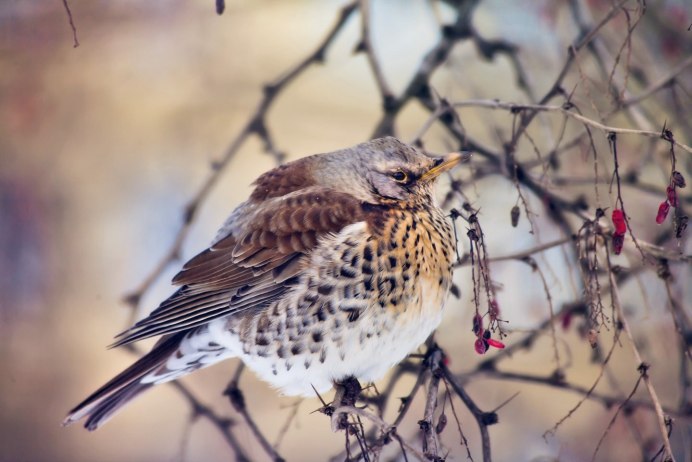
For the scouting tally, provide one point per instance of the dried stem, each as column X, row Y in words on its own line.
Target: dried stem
column 642, row 367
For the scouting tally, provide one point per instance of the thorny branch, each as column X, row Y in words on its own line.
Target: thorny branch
column 583, row 233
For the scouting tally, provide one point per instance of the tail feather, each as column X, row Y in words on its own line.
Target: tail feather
column 106, row 408
column 107, row 400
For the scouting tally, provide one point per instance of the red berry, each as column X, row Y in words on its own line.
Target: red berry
column 619, row 221
column 480, row 346
column 618, row 240
column 672, row 195
column 566, row 320
column 662, row 212
column 495, row 343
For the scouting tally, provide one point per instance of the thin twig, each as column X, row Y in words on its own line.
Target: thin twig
column 615, row 416
column 381, row 424
column 66, row 5
column 237, row 399
column 659, row 84
column 559, row 383
column 223, row 424
column 590, row 391
column 367, row 46
column 483, row 419
column 418, row 84
column 555, row 88
column 642, row 367
column 287, row 424
column 494, row 104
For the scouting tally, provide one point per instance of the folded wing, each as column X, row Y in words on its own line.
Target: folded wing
column 257, row 263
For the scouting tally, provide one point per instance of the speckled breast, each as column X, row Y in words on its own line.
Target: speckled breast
column 369, row 296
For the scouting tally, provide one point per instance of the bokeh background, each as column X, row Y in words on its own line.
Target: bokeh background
column 102, row 145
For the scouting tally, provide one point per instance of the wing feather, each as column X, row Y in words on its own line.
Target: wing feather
column 254, row 265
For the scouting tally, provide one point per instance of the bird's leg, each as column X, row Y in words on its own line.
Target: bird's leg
column 347, row 393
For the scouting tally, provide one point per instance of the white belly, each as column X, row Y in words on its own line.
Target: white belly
column 367, row 351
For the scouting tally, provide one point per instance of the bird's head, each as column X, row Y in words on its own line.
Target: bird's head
column 383, row 171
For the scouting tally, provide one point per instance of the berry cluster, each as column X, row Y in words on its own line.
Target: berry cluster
column 484, row 342
column 676, row 181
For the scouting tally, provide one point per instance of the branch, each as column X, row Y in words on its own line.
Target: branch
column 555, row 89
column 381, row 425
column 615, row 416
column 512, row 107
column 418, row 85
column 221, row 423
column 557, row 382
column 483, row 419
column 642, row 367
column 366, row 45
column 237, row 399
column 663, row 82
column 427, row 425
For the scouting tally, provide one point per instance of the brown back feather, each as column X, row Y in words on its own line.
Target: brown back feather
column 283, row 180
column 255, row 264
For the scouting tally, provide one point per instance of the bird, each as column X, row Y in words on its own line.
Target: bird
column 336, row 267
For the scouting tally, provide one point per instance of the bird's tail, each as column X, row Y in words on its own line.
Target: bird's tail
column 107, row 400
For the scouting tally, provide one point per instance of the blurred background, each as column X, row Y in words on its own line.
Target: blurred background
column 101, row 147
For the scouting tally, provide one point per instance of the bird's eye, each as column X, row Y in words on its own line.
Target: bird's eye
column 400, row 176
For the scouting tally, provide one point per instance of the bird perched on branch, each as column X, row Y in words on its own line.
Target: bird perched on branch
column 335, row 268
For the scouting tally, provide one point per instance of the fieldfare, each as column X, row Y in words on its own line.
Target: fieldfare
column 336, row 267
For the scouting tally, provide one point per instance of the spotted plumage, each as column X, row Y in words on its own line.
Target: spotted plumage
column 337, row 266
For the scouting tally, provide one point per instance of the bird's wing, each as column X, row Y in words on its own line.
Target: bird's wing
column 254, row 265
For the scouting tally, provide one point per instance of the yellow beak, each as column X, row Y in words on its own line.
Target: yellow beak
column 445, row 164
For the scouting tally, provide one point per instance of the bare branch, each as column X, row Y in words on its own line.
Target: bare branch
column 642, row 367
column 483, row 419
column 367, row 46
column 494, row 104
